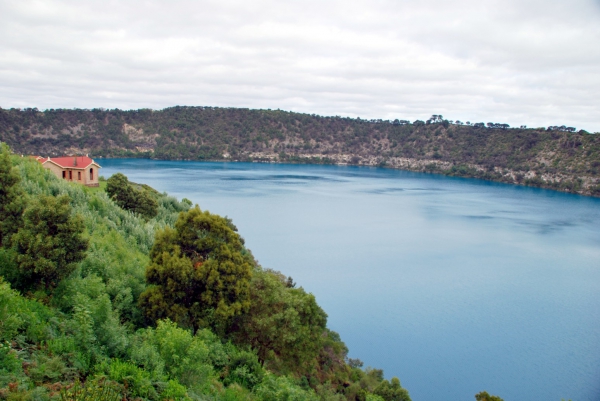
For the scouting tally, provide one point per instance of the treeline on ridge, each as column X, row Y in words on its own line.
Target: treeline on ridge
column 554, row 157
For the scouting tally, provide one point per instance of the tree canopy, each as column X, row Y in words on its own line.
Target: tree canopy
column 127, row 197
column 485, row 396
column 50, row 242
column 285, row 325
column 12, row 200
column 199, row 273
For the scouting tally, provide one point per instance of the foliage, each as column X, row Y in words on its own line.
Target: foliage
column 49, row 244
column 183, row 356
column 127, row 197
column 199, row 272
column 285, row 325
column 484, row 396
column 392, row 391
column 88, row 340
column 93, row 390
column 281, row 388
column 11, row 196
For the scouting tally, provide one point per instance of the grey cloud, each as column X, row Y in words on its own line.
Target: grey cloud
column 521, row 62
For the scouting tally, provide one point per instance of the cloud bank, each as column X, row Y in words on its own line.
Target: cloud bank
column 528, row 62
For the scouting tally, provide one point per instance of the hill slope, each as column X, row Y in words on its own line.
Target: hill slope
column 78, row 328
column 549, row 158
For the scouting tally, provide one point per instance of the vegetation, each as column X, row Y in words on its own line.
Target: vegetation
column 557, row 157
column 484, row 396
column 49, row 244
column 102, row 302
column 199, row 272
column 128, row 197
column 11, row 200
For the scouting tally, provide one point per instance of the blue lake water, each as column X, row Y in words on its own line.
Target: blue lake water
column 453, row 285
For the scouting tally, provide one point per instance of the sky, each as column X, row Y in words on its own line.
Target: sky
column 520, row 62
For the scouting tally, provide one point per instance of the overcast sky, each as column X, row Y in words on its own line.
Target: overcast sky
column 521, row 62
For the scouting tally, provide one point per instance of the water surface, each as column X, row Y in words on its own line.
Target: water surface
column 453, row 285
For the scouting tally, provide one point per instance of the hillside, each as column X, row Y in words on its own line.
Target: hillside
column 553, row 157
column 100, row 300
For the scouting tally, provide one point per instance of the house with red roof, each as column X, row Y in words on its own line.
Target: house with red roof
column 81, row 169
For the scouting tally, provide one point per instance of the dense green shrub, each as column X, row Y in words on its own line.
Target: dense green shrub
column 49, row 244
column 127, row 197
column 12, row 202
column 199, row 272
column 285, row 325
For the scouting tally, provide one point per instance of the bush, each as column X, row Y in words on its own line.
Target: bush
column 127, row 197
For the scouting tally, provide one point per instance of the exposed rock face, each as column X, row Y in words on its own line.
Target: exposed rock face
column 142, row 142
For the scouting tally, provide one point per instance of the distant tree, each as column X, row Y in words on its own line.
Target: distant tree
column 418, row 123
column 49, row 244
column 120, row 190
column 435, row 119
column 199, row 272
column 563, row 128
column 145, row 204
column 498, row 125
column 127, row 197
column 12, row 201
column 484, row 396
column 392, row 391
column 355, row 363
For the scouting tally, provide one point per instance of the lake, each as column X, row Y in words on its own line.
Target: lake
column 453, row 285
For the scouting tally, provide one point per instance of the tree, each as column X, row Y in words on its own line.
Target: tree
column 49, row 244
column 392, row 391
column 119, row 190
column 284, row 325
column 484, row 396
column 127, row 197
column 199, row 272
column 11, row 197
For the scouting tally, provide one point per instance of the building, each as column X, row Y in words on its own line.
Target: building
column 80, row 169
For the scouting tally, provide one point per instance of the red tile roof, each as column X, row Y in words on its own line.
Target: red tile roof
column 71, row 161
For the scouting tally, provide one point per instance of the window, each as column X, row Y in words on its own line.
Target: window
column 64, row 175
column 91, row 174
column 70, row 175
column 79, row 175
